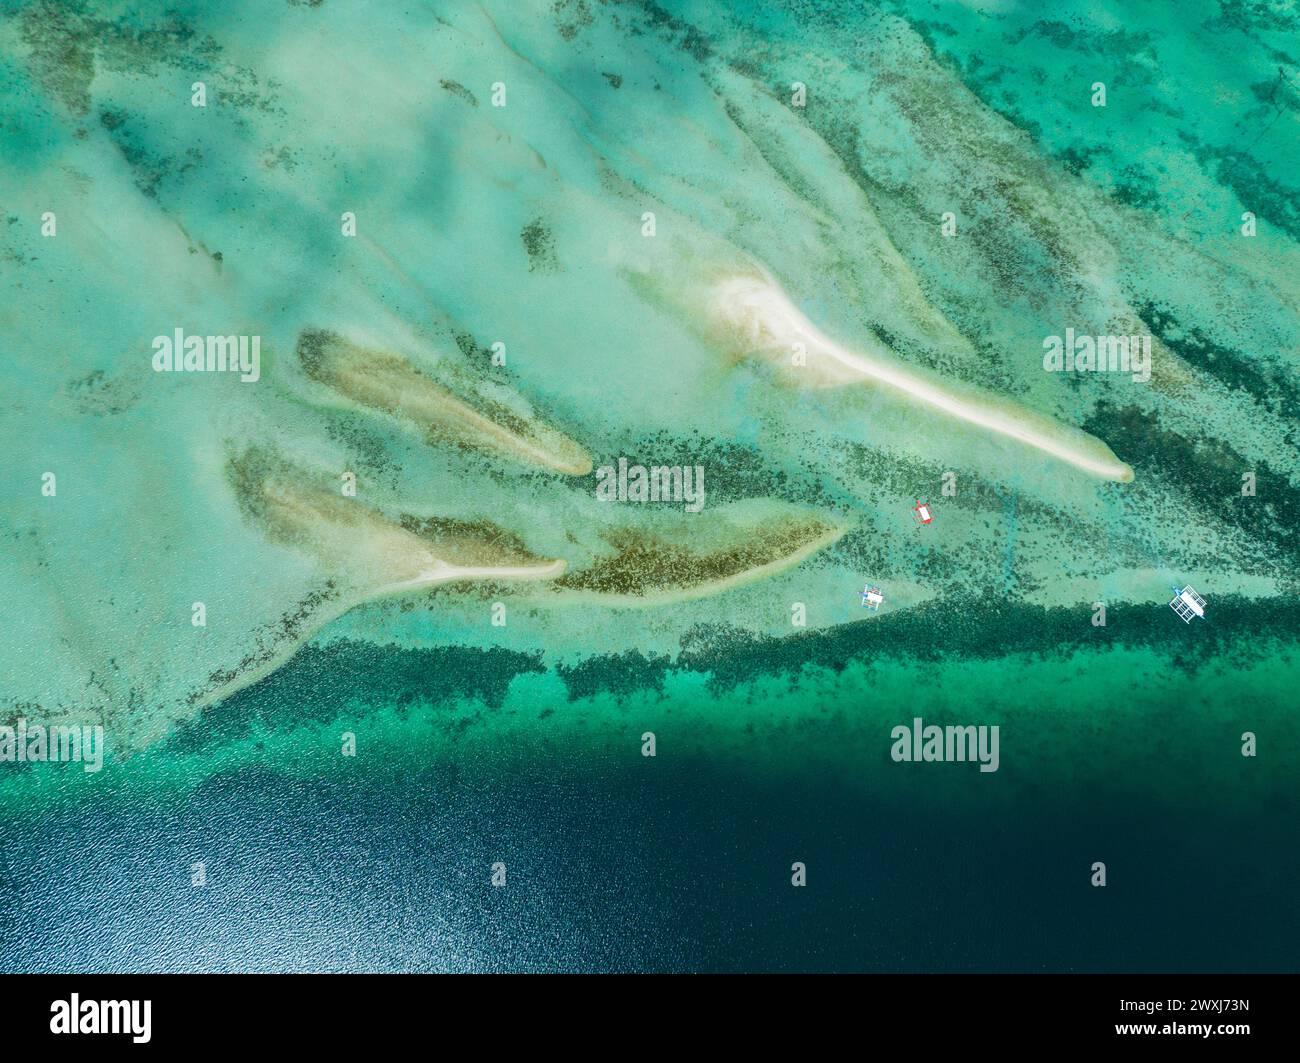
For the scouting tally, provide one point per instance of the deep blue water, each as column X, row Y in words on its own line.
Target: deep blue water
column 671, row 868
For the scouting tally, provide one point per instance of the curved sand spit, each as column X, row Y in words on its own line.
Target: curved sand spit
column 763, row 317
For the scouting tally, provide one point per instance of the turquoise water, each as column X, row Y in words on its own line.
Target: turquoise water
column 524, row 225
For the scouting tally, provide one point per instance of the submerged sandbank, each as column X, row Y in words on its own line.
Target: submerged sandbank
column 362, row 554
column 384, row 381
column 645, row 568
